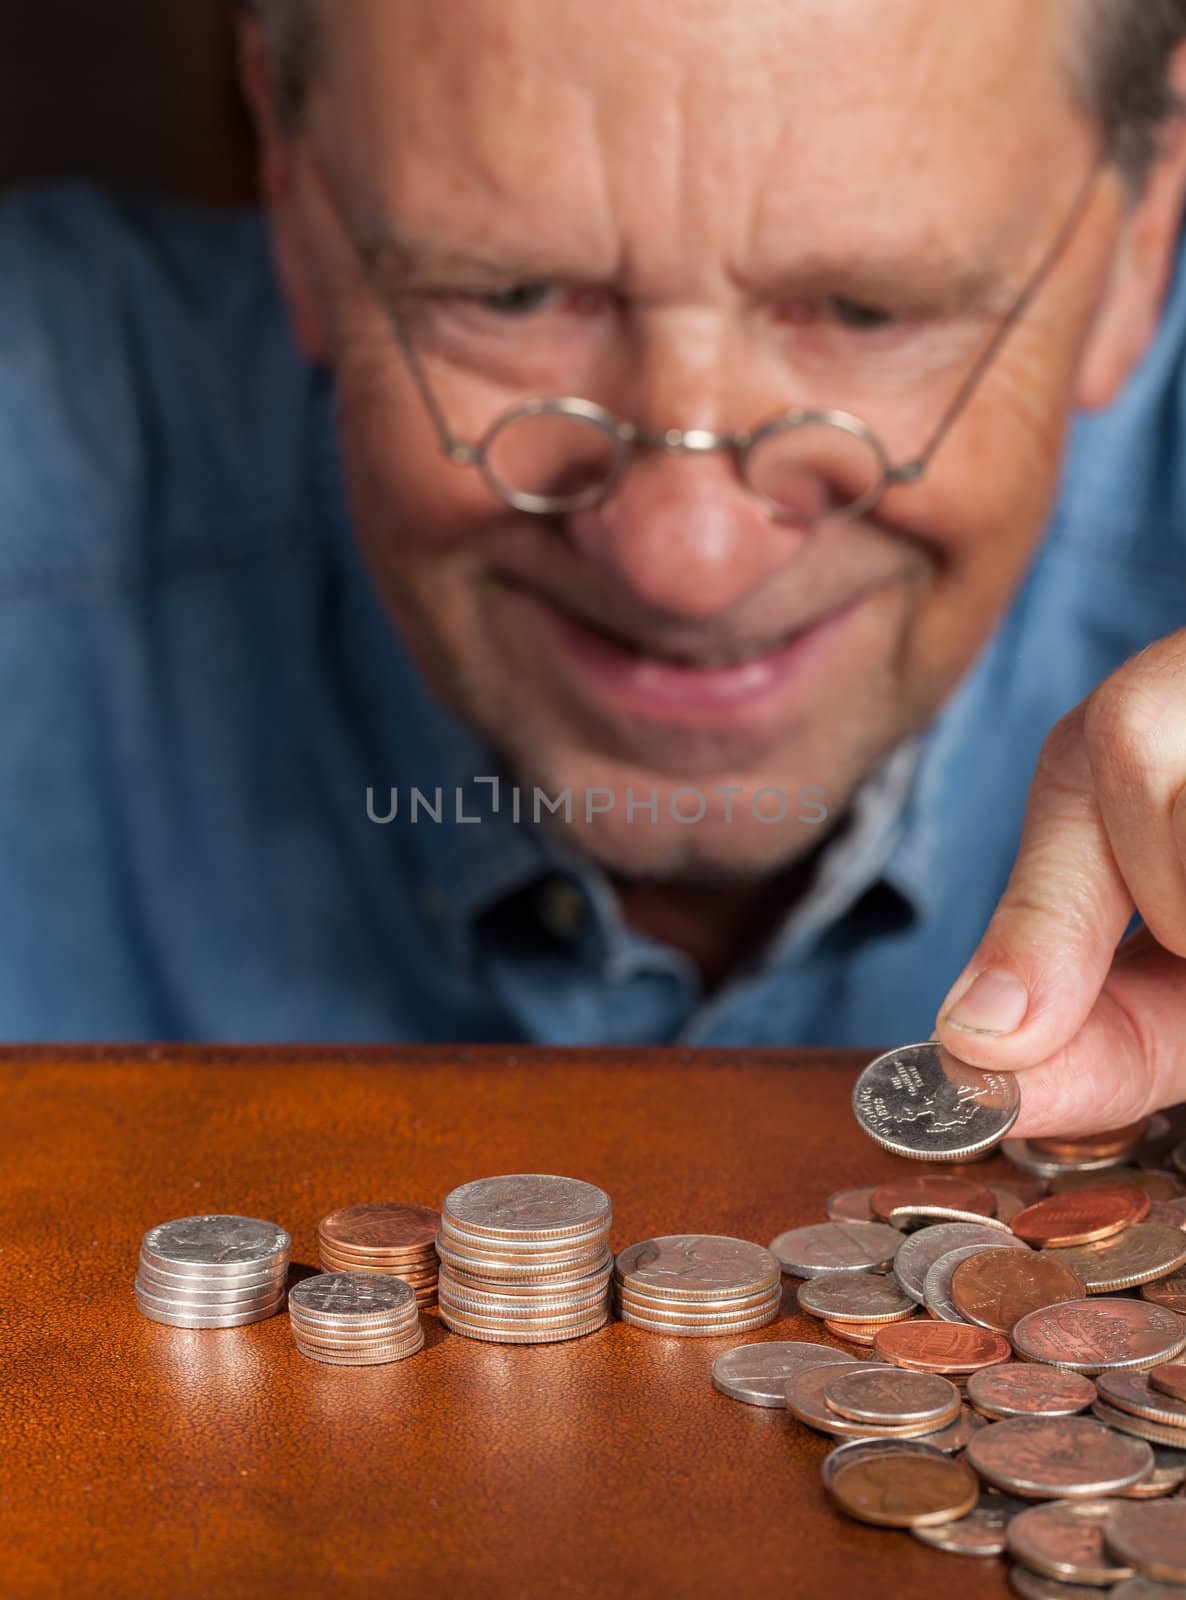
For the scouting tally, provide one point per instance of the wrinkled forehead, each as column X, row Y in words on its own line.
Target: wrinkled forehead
column 636, row 115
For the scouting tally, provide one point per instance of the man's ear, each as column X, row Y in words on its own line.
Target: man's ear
column 1146, row 254
column 275, row 170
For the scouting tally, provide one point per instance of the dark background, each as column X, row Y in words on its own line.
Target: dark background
column 133, row 92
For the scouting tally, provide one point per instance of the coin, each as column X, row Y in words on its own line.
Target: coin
column 843, row 1455
column 524, row 1206
column 919, row 1100
column 710, row 1330
column 861, row 1334
column 1138, row 1255
column 194, row 1319
column 1021, row 1154
column 1171, row 1212
column 925, row 1211
column 940, row 1189
column 835, row 1247
column 1138, row 1588
column 697, row 1315
column 1157, row 1185
column 757, row 1373
column 351, row 1294
column 980, row 1533
column 1081, row 1216
column 1018, row 1389
column 1065, row 1540
column 1138, row 1427
column 385, row 1229
column 1008, row 1205
column 996, row 1288
column 691, row 1266
column 937, row 1285
column 855, row 1297
column 1058, row 1457
column 1034, row 1586
column 1151, row 1538
column 955, row 1436
column 940, row 1346
column 1169, row 1379
column 1168, row 1292
column 917, row 1254
column 849, row 1205
column 907, row 1491
column 1133, row 1392
column 1094, row 1146
column 214, row 1246
column 1099, row 1335
column 891, row 1396
column 806, row 1392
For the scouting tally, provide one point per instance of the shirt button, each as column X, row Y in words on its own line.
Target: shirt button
column 562, row 908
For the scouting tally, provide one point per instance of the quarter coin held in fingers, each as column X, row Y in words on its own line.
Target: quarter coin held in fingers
column 906, row 1491
column 919, row 1100
column 1081, row 1216
column 1045, row 1458
column 996, row 1288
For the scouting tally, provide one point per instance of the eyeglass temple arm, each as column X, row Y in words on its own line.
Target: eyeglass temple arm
column 909, row 471
column 456, row 449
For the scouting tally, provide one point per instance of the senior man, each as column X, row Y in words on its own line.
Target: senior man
column 661, row 411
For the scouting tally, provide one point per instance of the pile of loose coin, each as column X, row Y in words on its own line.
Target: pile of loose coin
column 992, row 1317
column 384, row 1236
column 701, row 1286
column 357, row 1319
column 525, row 1259
column 212, row 1271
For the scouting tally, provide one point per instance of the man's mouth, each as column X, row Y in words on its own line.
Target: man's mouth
column 705, row 658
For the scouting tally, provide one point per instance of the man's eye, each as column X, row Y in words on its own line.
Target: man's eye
column 518, row 301
column 865, row 319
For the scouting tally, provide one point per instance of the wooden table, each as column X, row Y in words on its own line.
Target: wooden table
column 140, row 1460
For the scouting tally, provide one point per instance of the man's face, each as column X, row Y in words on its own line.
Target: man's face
column 710, row 214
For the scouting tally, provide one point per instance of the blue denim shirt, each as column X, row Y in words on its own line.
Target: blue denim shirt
column 200, row 688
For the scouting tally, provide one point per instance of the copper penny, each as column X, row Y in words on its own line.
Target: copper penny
column 1100, row 1335
column 1093, row 1146
column 940, row 1189
column 1046, row 1458
column 381, row 1228
column 1065, row 1540
column 1151, row 1538
column 1025, row 1389
column 858, row 1333
column 1157, row 1185
column 996, row 1288
column 890, row 1396
column 906, row 1491
column 1082, row 1216
column 1169, row 1379
column 1138, row 1255
column 1138, row 1427
column 1168, row 1292
column 926, row 1346
column 1171, row 1212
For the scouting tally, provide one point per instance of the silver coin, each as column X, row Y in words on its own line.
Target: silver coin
column 1151, row 1538
column 936, row 1289
column 849, row 1205
column 465, row 1242
column 855, row 1297
column 956, row 1435
column 678, row 1330
column 351, row 1294
column 1064, row 1539
column 205, row 1305
column 1143, row 1588
column 757, row 1373
column 1008, row 1204
column 529, row 1205
column 214, row 1245
column 512, row 1269
column 980, row 1533
column 925, row 1211
column 1033, row 1586
column 188, row 1319
column 1028, row 1389
column 694, row 1266
column 1138, row 1254
column 1056, row 1458
column 892, row 1396
column 1099, row 1335
column 1157, row 1433
column 836, row 1247
column 1022, row 1154
column 187, row 1282
column 843, row 1455
column 919, row 1100
column 372, row 1358
column 919, row 1252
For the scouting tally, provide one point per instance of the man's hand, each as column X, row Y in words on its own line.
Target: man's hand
column 1099, row 1032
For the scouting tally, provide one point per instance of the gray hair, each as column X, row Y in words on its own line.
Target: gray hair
column 1119, row 68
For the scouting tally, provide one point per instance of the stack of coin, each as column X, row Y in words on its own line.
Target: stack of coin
column 698, row 1286
column 384, row 1236
column 525, row 1259
column 212, row 1271
column 355, row 1319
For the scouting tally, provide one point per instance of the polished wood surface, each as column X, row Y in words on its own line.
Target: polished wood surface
column 139, row 1460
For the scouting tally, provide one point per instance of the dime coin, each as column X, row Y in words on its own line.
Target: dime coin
column 918, row 1253
column 909, row 1491
column 1133, row 1392
column 806, row 1392
column 519, row 1206
column 920, row 1100
column 690, row 1266
column 940, row 1346
column 1094, row 1146
column 1151, row 1538
column 836, row 1247
column 1169, row 1379
column 937, row 1285
column 351, row 1294
column 757, row 1373
column 849, row 1205
column 941, row 1189
column 1157, row 1185
column 1018, row 1389
column 1081, row 1216
column 980, row 1533
column 1065, row 1539
column 1100, row 1335
column 889, row 1396
column 855, row 1297
column 1058, row 1458
column 1168, row 1292
column 843, row 1455
column 996, row 1288
column 1138, row 1255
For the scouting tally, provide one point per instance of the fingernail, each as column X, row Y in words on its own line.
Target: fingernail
column 996, row 1003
